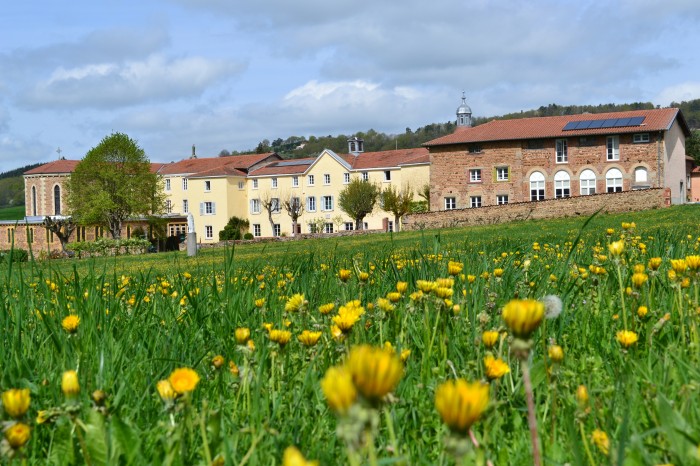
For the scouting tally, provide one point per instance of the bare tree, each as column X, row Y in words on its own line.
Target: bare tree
column 295, row 209
column 272, row 206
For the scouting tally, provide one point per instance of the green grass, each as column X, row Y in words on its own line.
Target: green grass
column 142, row 317
column 12, row 213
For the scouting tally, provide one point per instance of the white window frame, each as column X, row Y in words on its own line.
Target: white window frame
column 346, row 178
column 326, row 203
column 185, row 206
column 387, row 175
column 475, row 175
column 275, row 205
column 208, row 232
column 450, row 203
column 311, row 203
column 587, row 184
column 310, row 181
column 538, row 191
column 295, row 181
column 273, row 183
column 167, row 184
column 168, row 206
column 349, row 226
column 241, row 184
column 255, row 184
column 562, row 184
column 184, row 184
column 207, row 186
column 326, row 179
column 328, row 227
column 209, row 208
column 501, row 199
column 276, row 229
column 562, row 150
column 613, row 184
column 640, row 138
column 500, row 171
column 475, row 202
column 638, row 171
column 255, row 206
column 256, row 230
column 612, row 148
column 365, row 176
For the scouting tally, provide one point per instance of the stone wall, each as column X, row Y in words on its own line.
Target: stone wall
column 626, row 201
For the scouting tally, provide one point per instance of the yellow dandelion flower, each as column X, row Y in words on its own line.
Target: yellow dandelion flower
column 251, row 345
column 293, row 457
column 16, row 402
column 498, row 273
column 523, row 316
column 405, row 354
column 184, row 380
column 556, row 353
column 627, row 338
column 363, row 276
column 495, row 368
column 385, row 305
column 693, row 262
column 489, row 338
column 393, row 296
column 17, row 435
column 454, row 268
column 338, row 389
column 654, row 263
column 461, row 403
column 69, row 384
column 260, row 302
column 616, row 247
column 582, row 396
column 679, row 265
column 639, row 279
column 326, row 308
column 601, row 441
column 308, row 338
column 233, row 368
column 70, row 323
column 336, row 333
column 344, row 274
column 642, row 311
column 401, row 287
column 375, row 371
column 242, row 335
column 295, row 303
column 281, row 337
column 165, row 390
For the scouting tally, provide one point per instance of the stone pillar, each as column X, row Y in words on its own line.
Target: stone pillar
column 191, row 244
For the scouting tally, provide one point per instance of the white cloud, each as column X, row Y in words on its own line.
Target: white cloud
column 18, row 151
column 688, row 90
column 109, row 85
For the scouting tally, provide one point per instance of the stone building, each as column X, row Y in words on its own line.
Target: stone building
column 531, row 159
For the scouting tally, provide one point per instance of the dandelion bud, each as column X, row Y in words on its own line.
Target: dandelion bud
column 165, row 390
column 69, row 384
column 582, row 396
column 601, row 441
column 642, row 311
column 217, row 361
column 556, row 353
column 242, row 335
column 489, row 338
column 16, row 402
column 99, row 397
column 523, row 316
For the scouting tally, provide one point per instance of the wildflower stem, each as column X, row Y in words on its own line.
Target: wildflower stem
column 585, row 444
column 622, row 294
column 203, row 433
column 81, row 441
column 531, row 418
column 392, row 433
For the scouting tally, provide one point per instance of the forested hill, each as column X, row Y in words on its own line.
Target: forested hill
column 12, row 186
column 298, row 146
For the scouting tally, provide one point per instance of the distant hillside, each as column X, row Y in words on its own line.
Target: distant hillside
column 297, row 146
column 12, row 186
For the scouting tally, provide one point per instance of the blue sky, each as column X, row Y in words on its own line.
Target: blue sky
column 225, row 74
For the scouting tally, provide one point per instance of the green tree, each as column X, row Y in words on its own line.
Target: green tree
column 398, row 202
column 358, row 200
column 62, row 227
column 234, row 229
column 692, row 145
column 112, row 183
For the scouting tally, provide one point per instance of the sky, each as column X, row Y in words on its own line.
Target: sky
column 226, row 74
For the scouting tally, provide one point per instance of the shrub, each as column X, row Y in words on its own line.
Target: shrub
column 13, row 255
column 248, row 235
column 109, row 247
column 233, row 229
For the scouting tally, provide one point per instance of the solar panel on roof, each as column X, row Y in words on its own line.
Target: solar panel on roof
column 596, row 124
column 622, row 122
column 636, row 121
column 608, row 123
column 293, row 163
column 585, row 124
column 570, row 125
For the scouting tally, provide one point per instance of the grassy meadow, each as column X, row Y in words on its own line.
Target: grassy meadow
column 12, row 213
column 609, row 375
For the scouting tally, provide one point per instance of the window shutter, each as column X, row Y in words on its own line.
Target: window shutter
column 508, row 173
column 332, row 202
column 213, row 208
column 495, row 174
column 201, row 208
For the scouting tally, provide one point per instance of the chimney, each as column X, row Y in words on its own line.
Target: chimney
column 194, row 155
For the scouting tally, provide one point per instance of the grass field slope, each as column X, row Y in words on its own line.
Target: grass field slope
column 572, row 341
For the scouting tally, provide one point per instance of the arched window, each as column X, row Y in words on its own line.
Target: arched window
column 613, row 181
column 33, row 200
column 588, row 182
column 641, row 175
column 562, row 184
column 536, row 186
column 57, row 200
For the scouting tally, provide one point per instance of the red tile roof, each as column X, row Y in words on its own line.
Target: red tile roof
column 387, row 158
column 197, row 166
column 552, row 127
column 68, row 166
column 284, row 167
